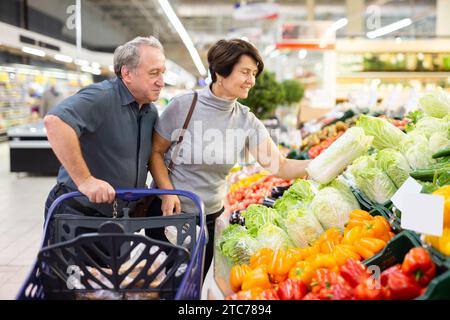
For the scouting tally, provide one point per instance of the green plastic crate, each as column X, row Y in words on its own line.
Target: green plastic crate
column 395, row 251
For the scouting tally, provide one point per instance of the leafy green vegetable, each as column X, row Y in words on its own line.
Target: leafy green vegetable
column 236, row 244
column 303, row 227
column 271, row 236
column 394, row 164
column 258, row 215
column 416, row 149
column 436, row 104
column 330, row 163
column 438, row 141
column 295, row 197
column 385, row 134
column 442, row 180
column 371, row 180
column 427, row 126
column 333, row 204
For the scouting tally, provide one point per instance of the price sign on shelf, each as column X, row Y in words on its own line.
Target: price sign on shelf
column 423, row 213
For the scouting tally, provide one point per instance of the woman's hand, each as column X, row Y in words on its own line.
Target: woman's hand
column 170, row 203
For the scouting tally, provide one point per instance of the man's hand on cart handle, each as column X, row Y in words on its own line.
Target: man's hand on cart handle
column 169, row 204
column 97, row 191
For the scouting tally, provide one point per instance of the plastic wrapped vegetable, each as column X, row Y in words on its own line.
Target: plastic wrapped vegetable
column 236, row 244
column 436, row 104
column 371, row 180
column 257, row 216
column 333, row 204
column 330, row 163
column 385, row 134
column 271, row 236
column 395, row 165
column 303, row 227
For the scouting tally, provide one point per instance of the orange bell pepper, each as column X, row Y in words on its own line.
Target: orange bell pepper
column 302, row 270
column 344, row 252
column 367, row 247
column 310, row 251
column 237, row 274
column 378, row 227
column 352, row 235
column 256, row 278
column 325, row 260
column 261, row 257
column 329, row 239
column 281, row 264
column 357, row 218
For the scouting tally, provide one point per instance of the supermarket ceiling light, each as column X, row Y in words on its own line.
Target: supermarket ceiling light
column 33, row 51
column 338, row 24
column 389, row 28
column 176, row 23
column 63, row 58
column 82, row 63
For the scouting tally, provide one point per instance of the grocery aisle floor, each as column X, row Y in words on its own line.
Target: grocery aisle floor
column 22, row 200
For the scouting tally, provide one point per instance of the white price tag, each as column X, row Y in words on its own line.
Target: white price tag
column 409, row 187
column 423, row 213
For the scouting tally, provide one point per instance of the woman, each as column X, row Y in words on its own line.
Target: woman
column 217, row 136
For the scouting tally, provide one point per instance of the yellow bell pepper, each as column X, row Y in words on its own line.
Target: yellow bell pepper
column 367, row 247
column 281, row 264
column 445, row 192
column 257, row 278
column 343, row 252
column 325, row 260
column 442, row 243
column 302, row 270
column 261, row 257
column 237, row 274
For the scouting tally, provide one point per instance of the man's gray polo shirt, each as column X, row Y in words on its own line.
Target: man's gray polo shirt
column 115, row 136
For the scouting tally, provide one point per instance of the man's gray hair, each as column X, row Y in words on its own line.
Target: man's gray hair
column 129, row 54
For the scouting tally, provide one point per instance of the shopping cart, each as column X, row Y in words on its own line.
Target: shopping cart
column 112, row 241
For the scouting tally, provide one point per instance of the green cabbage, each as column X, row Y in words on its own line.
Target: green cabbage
column 330, row 163
column 271, row 236
column 303, row 227
column 416, row 150
column 385, row 134
column 333, row 204
column 395, row 165
column 372, row 180
column 295, row 197
column 258, row 215
column 436, row 104
column 236, row 244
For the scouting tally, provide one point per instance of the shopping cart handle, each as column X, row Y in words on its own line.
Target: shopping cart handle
column 131, row 195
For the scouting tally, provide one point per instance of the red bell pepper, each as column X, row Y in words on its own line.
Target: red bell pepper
column 368, row 290
column 419, row 265
column 324, row 279
column 354, row 272
column 401, row 286
column 339, row 291
column 311, row 296
column 292, row 289
column 268, row 294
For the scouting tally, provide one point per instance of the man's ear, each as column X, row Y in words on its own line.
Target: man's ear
column 125, row 72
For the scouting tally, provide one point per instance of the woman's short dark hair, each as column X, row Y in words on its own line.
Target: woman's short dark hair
column 225, row 54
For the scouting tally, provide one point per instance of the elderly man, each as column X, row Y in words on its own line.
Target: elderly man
column 102, row 134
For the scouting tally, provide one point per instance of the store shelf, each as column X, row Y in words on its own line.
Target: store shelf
column 395, row 75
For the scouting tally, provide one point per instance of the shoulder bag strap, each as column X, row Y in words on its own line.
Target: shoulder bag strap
column 181, row 136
